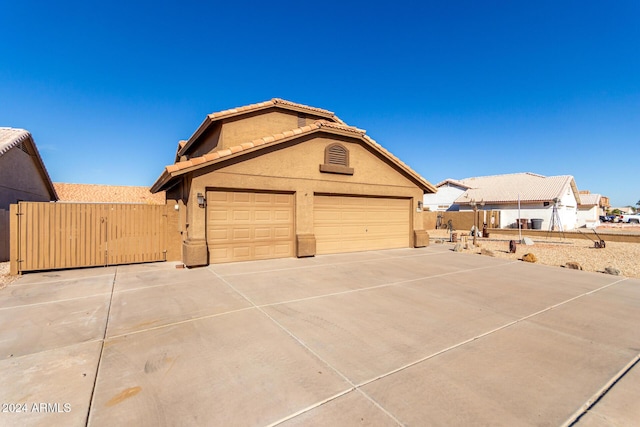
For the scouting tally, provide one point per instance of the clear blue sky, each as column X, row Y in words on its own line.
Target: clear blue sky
column 454, row 88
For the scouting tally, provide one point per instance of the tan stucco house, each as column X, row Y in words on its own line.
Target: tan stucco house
column 280, row 179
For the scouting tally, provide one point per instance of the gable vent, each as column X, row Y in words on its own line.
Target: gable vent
column 337, row 155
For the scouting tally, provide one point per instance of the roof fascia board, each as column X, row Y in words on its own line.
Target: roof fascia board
column 204, row 126
column 43, row 170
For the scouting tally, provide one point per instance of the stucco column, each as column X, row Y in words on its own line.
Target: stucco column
column 305, row 239
column 194, row 248
column 419, row 236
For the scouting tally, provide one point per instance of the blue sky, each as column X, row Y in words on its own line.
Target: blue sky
column 454, row 88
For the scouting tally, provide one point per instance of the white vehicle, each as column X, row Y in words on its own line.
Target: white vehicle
column 634, row 218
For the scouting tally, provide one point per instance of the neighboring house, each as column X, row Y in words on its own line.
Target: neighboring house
column 590, row 208
column 626, row 210
column 443, row 200
column 93, row 193
column 23, row 177
column 537, row 194
column 279, row 179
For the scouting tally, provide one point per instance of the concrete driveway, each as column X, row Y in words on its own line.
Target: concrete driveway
column 409, row 336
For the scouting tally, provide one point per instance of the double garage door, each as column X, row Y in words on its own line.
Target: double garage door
column 245, row 226
column 350, row 224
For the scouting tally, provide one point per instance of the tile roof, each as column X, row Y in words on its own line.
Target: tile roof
column 452, row 181
column 213, row 157
column 528, row 187
column 213, row 117
column 11, row 137
column 275, row 101
column 93, row 193
column 270, row 140
column 592, row 199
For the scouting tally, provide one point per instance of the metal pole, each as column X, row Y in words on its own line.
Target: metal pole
column 519, row 222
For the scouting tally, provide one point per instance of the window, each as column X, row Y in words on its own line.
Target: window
column 336, row 160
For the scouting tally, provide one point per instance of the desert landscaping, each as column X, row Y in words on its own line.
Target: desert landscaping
column 561, row 251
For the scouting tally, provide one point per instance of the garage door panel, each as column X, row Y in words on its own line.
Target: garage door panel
column 241, row 215
column 241, row 252
column 282, row 215
column 241, row 198
column 282, row 199
column 262, row 215
column 243, row 226
column 262, row 233
column 346, row 224
column 219, row 235
column 241, row 234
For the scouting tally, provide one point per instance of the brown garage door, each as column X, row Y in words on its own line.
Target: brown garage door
column 244, row 226
column 348, row 224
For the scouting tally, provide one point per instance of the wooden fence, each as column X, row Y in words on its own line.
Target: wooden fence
column 46, row 236
column 4, row 235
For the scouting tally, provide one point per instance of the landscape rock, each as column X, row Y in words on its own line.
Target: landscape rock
column 457, row 247
column 573, row 265
column 529, row 257
column 612, row 270
column 527, row 241
column 487, row 252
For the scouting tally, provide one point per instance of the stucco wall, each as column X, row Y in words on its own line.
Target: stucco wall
column 295, row 168
column 588, row 216
column 20, row 179
column 236, row 131
column 444, row 197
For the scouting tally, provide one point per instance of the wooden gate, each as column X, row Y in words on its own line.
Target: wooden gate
column 46, row 236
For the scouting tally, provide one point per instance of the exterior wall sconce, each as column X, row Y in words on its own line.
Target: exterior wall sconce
column 419, row 207
column 201, row 200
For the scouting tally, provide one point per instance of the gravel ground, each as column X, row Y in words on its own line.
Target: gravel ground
column 5, row 279
column 558, row 252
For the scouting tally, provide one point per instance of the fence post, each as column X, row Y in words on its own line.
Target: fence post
column 14, row 236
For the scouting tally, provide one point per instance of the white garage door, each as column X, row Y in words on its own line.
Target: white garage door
column 349, row 224
column 244, row 226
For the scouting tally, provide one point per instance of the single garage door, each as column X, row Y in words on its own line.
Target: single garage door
column 349, row 224
column 244, row 226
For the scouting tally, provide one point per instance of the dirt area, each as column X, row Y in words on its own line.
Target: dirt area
column 5, row 279
column 560, row 251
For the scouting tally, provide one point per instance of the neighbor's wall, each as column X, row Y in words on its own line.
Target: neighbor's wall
column 20, row 179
